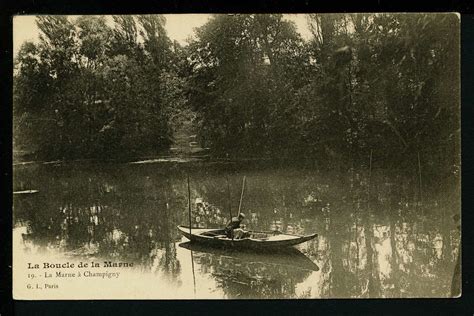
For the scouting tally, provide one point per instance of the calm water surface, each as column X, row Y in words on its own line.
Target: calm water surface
column 387, row 246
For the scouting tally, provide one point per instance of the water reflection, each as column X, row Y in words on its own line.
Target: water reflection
column 245, row 274
column 397, row 248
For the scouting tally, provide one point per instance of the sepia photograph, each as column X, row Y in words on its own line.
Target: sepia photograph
column 236, row 156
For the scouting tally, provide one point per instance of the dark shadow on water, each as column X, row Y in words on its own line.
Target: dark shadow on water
column 290, row 257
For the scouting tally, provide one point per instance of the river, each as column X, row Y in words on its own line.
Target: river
column 389, row 241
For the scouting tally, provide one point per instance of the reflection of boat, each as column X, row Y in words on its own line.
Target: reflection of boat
column 256, row 241
column 290, row 257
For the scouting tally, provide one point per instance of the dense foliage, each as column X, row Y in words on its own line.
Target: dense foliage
column 387, row 83
column 92, row 90
column 252, row 86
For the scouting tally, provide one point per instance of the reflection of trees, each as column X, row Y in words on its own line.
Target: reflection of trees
column 254, row 275
column 168, row 263
column 397, row 256
column 95, row 213
column 127, row 213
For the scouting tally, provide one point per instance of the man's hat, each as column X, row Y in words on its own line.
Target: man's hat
column 242, row 215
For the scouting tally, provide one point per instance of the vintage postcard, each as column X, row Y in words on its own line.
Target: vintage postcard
column 236, row 156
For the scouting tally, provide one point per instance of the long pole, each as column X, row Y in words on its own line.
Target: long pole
column 419, row 181
column 229, row 201
column 189, row 207
column 370, row 180
column 420, row 202
column 369, row 235
column 241, row 195
column 194, row 277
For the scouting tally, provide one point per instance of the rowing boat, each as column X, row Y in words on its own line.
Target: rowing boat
column 258, row 240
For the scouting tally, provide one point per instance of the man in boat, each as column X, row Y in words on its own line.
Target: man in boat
column 233, row 230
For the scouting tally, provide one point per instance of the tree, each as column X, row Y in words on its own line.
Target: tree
column 245, row 67
column 84, row 90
